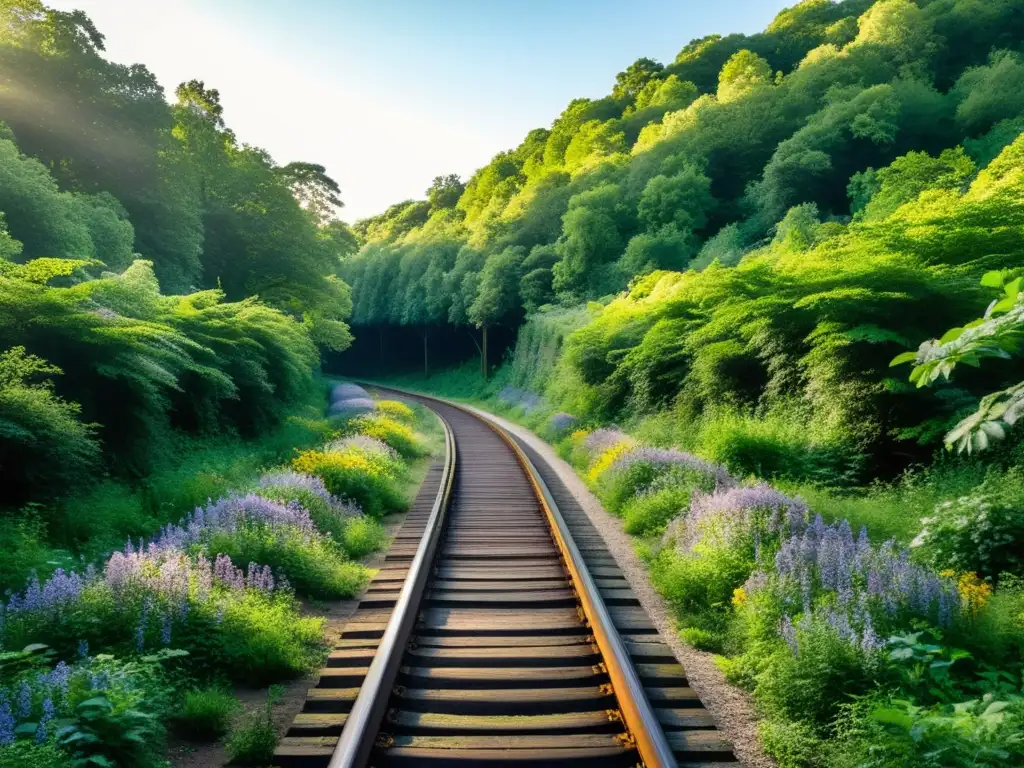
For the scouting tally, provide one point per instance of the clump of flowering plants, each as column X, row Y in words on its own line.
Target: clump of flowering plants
column 862, row 592
column 627, row 471
column 331, row 514
column 158, row 596
column 560, row 423
column 41, row 704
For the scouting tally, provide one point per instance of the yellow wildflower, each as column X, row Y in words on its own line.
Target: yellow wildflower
column 974, row 593
column 395, row 410
column 606, row 459
column 739, row 597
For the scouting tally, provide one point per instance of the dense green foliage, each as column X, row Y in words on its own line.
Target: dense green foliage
column 158, row 279
column 837, row 185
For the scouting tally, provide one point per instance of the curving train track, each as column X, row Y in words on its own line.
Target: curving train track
column 499, row 631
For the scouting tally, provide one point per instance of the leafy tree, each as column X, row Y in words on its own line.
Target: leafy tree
column 743, row 73
column 668, row 248
column 726, row 248
column 536, row 286
column 317, row 192
column 497, row 294
column 591, row 240
column 445, row 191
column 987, row 94
column 901, row 30
column 876, row 194
column 44, row 445
column 682, row 201
column 631, row 82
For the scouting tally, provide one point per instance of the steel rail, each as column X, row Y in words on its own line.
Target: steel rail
column 639, row 716
column 368, row 710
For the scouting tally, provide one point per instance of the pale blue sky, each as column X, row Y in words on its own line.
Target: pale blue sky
column 390, row 93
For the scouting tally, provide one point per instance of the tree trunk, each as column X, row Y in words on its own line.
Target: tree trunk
column 483, row 355
column 426, row 366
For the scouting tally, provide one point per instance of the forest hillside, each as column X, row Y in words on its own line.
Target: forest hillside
column 766, row 300
column 790, row 210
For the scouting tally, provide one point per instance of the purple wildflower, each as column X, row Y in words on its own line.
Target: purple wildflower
column 870, row 642
column 166, row 624
column 7, row 723
column 737, row 512
column 24, row 700
column 60, row 591
column 670, row 458
column 600, row 440
column 352, row 407
column 98, row 681
column 560, row 423
column 42, row 729
column 348, row 391
column 788, row 633
column 59, row 680
column 140, row 628
column 260, row 577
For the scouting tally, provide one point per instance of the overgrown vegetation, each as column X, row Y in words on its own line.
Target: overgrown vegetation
column 177, row 608
column 159, row 281
column 839, row 158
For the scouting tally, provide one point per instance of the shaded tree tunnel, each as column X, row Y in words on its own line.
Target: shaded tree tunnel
column 382, row 350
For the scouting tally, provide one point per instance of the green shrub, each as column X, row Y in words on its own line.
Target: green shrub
column 23, row 542
column 313, row 564
column 793, row 745
column 701, row 639
column 363, row 536
column 252, row 741
column 324, row 515
column 648, row 513
column 982, row 532
column 25, row 754
column 205, row 713
column 700, row 581
column 44, row 446
column 241, row 633
column 995, row 635
column 101, row 734
column 193, row 472
column 983, row 732
column 616, row 487
column 779, row 444
column 262, row 639
column 809, row 687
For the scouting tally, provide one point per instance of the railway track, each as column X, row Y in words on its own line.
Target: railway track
column 500, row 631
